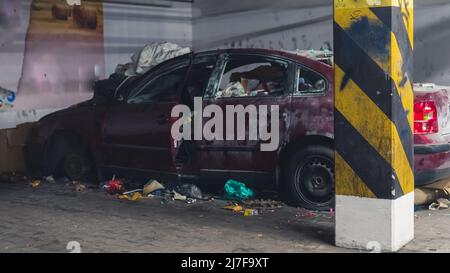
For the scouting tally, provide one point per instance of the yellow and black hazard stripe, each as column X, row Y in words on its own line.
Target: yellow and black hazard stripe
column 373, row 42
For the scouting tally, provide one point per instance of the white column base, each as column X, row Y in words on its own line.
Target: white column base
column 374, row 224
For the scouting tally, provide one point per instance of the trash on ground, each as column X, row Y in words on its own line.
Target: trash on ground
column 114, row 186
column 35, row 183
column 50, row 179
column 434, row 196
column 190, row 190
column 425, row 196
column 177, row 196
column 133, row 191
column 78, row 187
column 237, row 191
column 441, row 203
column 157, row 193
column 240, row 209
column 151, row 187
column 135, row 196
column 234, row 207
column 191, row 201
column 251, row 212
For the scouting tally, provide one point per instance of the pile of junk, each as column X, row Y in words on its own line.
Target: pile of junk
column 141, row 62
column 433, row 197
column 239, row 198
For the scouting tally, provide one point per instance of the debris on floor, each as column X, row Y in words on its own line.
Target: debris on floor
column 190, row 190
column 49, row 179
column 441, row 203
column 237, row 208
column 114, row 186
column 235, row 190
column 434, row 197
column 424, row 196
column 151, row 187
column 78, row 186
column 251, row 212
column 191, row 201
column 135, row 196
column 35, row 184
column 234, row 207
column 177, row 196
column 157, row 193
column 133, row 191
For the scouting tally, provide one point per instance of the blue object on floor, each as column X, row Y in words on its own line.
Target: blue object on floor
column 237, row 191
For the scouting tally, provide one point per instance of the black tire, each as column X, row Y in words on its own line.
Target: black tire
column 66, row 157
column 309, row 178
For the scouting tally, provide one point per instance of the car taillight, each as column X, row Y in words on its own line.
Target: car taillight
column 425, row 118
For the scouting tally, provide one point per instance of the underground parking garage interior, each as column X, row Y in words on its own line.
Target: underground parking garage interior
column 231, row 130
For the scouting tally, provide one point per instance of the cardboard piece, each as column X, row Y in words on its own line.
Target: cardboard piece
column 12, row 143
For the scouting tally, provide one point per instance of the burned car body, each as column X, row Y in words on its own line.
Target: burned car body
column 131, row 134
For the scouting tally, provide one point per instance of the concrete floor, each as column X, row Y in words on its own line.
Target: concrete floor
column 47, row 218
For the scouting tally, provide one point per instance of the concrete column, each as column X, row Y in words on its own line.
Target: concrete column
column 373, row 42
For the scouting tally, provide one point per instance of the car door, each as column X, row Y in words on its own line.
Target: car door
column 136, row 132
column 250, row 81
column 202, row 67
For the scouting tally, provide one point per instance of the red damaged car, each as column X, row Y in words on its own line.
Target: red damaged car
column 130, row 135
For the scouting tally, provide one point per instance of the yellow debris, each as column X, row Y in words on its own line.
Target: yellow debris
column 133, row 197
column 235, row 208
column 36, row 183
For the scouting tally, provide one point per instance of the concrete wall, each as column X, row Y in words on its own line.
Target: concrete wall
column 286, row 24
column 55, row 70
column 128, row 27
column 292, row 24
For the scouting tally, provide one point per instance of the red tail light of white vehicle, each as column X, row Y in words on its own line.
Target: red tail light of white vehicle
column 425, row 118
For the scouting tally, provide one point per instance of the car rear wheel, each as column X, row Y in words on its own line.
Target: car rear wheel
column 310, row 178
column 76, row 166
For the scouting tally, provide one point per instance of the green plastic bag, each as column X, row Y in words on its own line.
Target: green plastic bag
column 237, row 191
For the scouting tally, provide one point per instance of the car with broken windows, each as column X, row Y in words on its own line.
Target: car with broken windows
column 131, row 136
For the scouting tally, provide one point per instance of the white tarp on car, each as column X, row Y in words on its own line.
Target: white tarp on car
column 150, row 56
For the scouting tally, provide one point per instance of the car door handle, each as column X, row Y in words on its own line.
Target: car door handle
column 162, row 119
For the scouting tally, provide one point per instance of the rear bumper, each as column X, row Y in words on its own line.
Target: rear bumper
column 431, row 163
